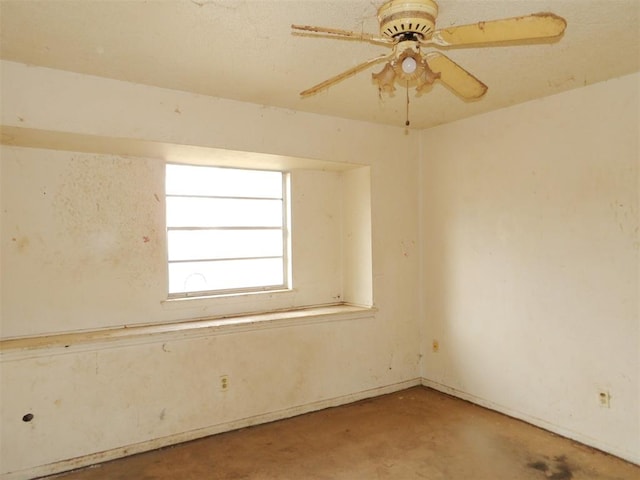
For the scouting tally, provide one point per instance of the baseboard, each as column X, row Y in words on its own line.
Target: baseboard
column 154, row 444
column 538, row 422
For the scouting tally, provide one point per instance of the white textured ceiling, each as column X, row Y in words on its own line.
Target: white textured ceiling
column 244, row 50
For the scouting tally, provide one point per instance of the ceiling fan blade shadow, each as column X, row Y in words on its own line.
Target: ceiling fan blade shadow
column 344, row 75
column 455, row 77
column 516, row 29
column 325, row 32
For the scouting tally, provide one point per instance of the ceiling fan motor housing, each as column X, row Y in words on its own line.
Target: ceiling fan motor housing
column 398, row 17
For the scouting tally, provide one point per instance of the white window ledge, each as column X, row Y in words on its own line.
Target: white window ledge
column 57, row 344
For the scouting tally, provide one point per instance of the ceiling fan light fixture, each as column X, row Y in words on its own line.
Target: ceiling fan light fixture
column 409, row 65
column 427, row 78
column 385, row 79
column 408, row 27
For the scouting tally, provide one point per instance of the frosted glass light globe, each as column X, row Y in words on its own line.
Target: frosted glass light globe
column 409, row 65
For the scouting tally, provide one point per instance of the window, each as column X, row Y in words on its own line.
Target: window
column 226, row 230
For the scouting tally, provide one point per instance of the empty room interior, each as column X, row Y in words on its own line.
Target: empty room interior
column 205, row 227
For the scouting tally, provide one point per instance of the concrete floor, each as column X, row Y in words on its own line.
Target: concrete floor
column 413, row 434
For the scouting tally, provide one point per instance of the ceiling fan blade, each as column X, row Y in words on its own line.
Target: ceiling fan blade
column 456, row 77
column 530, row 27
column 344, row 75
column 337, row 33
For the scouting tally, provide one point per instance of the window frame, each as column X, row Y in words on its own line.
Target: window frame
column 285, row 231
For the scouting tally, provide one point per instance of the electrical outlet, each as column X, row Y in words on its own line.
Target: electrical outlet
column 224, row 383
column 435, row 346
column 604, row 399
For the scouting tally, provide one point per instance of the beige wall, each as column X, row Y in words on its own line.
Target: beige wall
column 530, row 260
column 128, row 395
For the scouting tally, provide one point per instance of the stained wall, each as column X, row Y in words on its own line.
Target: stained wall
column 531, row 265
column 94, row 225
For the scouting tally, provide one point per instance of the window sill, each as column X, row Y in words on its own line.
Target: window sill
column 57, row 344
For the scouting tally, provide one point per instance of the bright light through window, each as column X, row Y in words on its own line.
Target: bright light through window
column 226, row 230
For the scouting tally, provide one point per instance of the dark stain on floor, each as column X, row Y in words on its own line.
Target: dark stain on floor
column 556, row 469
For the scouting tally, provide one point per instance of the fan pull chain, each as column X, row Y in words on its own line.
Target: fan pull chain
column 407, row 122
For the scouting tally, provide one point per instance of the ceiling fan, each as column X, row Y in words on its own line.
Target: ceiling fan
column 408, row 26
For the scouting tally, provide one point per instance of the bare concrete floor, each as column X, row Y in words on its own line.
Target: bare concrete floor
column 413, row 434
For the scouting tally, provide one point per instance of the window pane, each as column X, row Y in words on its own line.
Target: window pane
column 222, row 223
column 224, row 275
column 214, row 244
column 222, row 182
column 223, row 212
